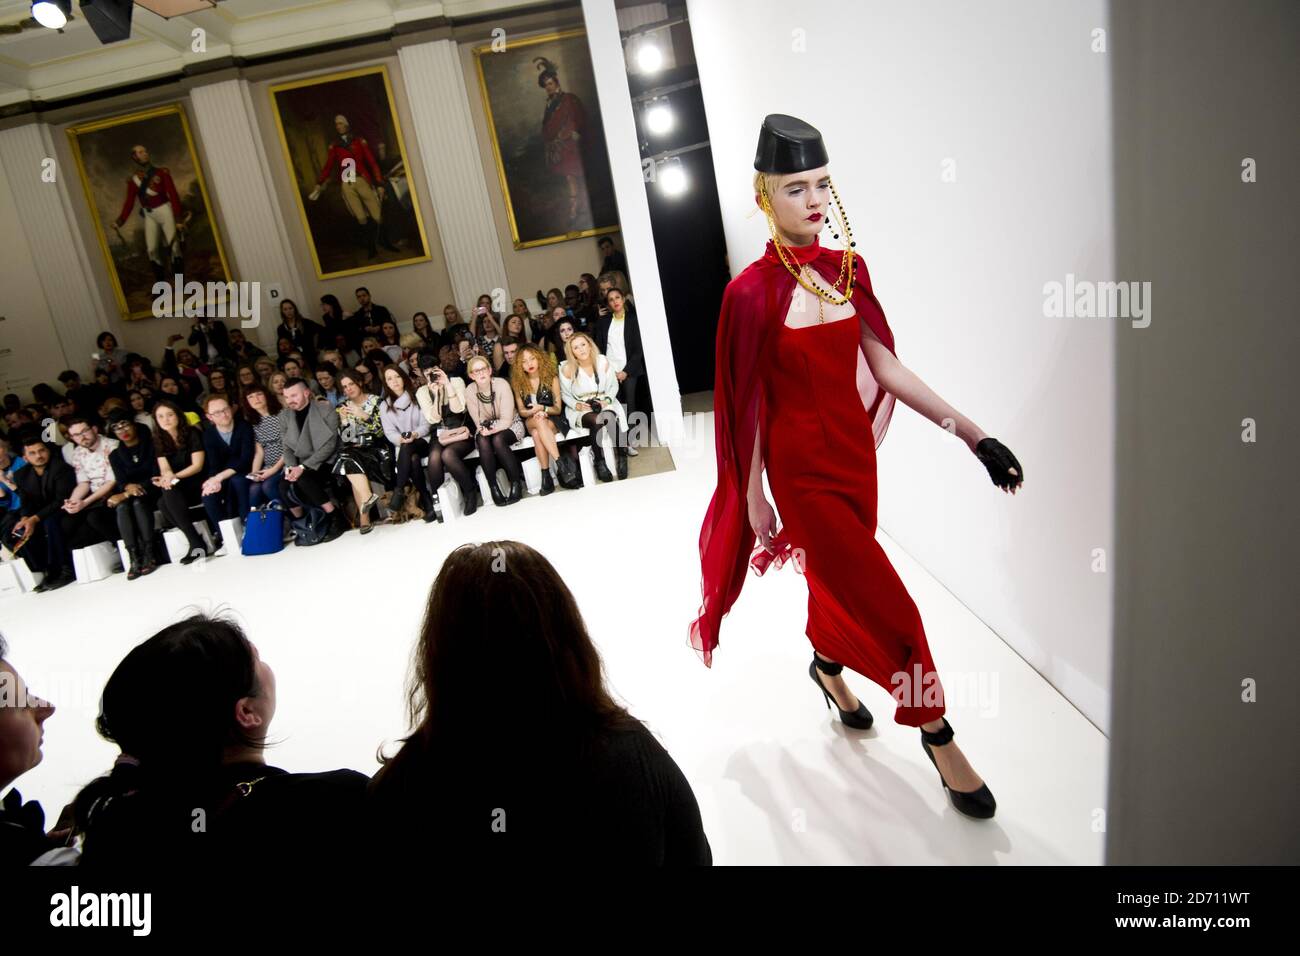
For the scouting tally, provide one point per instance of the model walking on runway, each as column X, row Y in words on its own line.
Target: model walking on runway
column 805, row 386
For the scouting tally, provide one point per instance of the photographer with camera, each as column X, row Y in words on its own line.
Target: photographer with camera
column 442, row 399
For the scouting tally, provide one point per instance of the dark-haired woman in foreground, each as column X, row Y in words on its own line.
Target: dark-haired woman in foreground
column 190, row 709
column 546, row 767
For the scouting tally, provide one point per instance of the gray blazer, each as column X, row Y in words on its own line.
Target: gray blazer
column 315, row 444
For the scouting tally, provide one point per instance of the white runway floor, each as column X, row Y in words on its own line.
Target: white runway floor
column 779, row 780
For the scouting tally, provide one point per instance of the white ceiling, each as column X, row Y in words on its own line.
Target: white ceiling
column 43, row 65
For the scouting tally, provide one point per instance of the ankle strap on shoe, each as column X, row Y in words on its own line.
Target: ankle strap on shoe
column 829, row 668
column 939, row 737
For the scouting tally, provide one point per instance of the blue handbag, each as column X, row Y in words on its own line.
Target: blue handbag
column 263, row 532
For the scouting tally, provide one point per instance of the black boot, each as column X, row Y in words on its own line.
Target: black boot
column 148, row 561
column 471, row 500
column 428, row 507
column 516, row 491
column 133, row 571
column 384, row 241
column 620, row 461
column 497, row 497
column 335, row 526
column 548, row 484
column 598, row 456
column 396, row 501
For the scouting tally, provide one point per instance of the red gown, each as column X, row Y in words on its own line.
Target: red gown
column 810, row 395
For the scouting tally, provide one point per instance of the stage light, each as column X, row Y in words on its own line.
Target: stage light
column 659, row 117
column 672, row 178
column 52, row 13
column 649, row 58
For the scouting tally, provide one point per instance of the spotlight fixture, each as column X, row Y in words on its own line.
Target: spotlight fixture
column 659, row 117
column 52, row 13
column 672, row 177
column 649, row 58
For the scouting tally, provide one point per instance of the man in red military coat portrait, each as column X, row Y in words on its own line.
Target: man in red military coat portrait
column 362, row 183
column 160, row 207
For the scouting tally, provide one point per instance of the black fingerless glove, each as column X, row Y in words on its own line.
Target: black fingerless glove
column 999, row 461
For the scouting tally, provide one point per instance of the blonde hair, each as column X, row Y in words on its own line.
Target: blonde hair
column 569, row 369
column 769, row 181
column 473, row 362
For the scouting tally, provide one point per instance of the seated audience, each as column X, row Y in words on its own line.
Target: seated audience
column 229, row 447
column 44, row 485
column 536, row 388
column 442, row 400
column 179, row 446
column 210, row 339
column 303, row 334
column 407, row 430
column 429, row 336
column 90, row 518
column 311, row 438
column 335, row 323
column 190, row 710
column 618, row 337
column 265, row 367
column 593, row 786
column 449, row 361
column 365, row 456
column 497, row 426
column 509, row 348
column 245, row 377
column 590, row 391
column 135, row 465
column 263, row 411
column 11, row 503
column 390, row 340
column 369, row 317
column 242, row 350
column 326, row 375
column 110, row 358
column 613, row 260
column 141, row 401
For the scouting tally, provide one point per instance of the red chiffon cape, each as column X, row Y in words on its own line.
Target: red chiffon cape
column 754, row 307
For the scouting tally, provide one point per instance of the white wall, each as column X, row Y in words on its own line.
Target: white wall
column 29, row 350
column 1013, row 94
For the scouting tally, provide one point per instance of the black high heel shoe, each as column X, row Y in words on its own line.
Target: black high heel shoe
column 974, row 803
column 859, row 719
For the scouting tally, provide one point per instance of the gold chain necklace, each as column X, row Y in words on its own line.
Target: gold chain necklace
column 833, row 294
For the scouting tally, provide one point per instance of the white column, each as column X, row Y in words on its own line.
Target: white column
column 45, row 214
column 634, row 214
column 453, row 167
column 239, row 179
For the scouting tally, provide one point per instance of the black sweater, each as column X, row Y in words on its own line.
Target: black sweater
column 43, row 495
column 624, row 801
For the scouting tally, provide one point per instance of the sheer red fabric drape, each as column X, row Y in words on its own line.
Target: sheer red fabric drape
column 754, row 306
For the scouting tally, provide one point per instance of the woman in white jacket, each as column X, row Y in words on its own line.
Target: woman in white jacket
column 589, row 387
column 407, row 428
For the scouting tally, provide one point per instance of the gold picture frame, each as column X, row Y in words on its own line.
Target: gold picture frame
column 340, row 243
column 103, row 153
column 535, row 201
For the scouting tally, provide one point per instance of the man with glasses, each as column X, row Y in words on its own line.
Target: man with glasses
column 228, row 446
column 91, row 520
